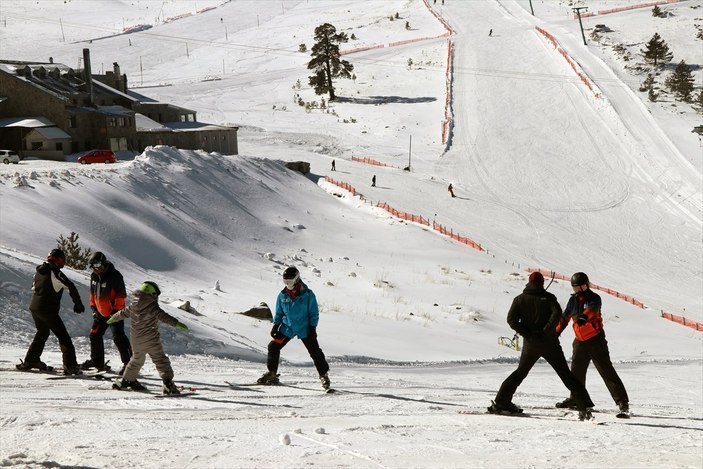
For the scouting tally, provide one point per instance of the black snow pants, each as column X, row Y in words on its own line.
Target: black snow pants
column 596, row 349
column 45, row 324
column 549, row 349
column 97, row 346
column 318, row 358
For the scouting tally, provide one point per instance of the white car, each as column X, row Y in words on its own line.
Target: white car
column 9, row 156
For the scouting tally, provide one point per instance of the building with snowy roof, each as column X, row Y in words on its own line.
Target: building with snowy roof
column 49, row 110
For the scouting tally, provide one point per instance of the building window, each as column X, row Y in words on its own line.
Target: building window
column 72, row 122
column 59, row 146
column 37, row 145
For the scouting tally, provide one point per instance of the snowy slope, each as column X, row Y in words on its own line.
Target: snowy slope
column 546, row 176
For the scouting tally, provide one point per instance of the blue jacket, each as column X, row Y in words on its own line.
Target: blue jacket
column 298, row 315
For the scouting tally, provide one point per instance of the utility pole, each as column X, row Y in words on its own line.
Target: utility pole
column 578, row 13
column 532, row 10
column 410, row 151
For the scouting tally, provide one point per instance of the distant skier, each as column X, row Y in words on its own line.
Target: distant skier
column 334, row 167
column 590, row 344
column 296, row 314
column 373, row 181
column 145, row 314
column 534, row 314
column 47, row 287
column 490, row 33
column 451, row 190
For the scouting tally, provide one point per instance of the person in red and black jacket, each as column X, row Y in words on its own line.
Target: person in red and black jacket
column 584, row 308
column 48, row 286
column 107, row 296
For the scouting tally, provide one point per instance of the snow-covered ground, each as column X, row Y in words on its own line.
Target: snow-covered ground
column 546, row 174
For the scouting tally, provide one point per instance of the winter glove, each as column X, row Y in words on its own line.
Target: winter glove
column 180, row 326
column 78, row 308
column 95, row 312
column 312, row 332
column 111, row 320
column 582, row 319
column 274, row 330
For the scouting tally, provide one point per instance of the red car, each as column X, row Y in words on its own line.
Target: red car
column 98, row 156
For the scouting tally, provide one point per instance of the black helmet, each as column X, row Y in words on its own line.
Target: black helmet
column 291, row 273
column 57, row 257
column 97, row 259
column 291, row 277
column 579, row 278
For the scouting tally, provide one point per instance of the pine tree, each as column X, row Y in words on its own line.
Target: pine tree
column 680, row 82
column 648, row 83
column 657, row 50
column 325, row 60
column 76, row 256
column 657, row 12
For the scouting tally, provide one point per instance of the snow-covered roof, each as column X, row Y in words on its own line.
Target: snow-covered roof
column 52, row 133
column 25, row 122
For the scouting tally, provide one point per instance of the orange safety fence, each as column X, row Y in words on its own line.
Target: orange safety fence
column 680, row 319
column 343, row 185
column 360, row 49
column 366, row 160
column 625, row 8
column 456, row 236
column 410, row 41
column 586, row 81
column 439, row 18
column 403, row 215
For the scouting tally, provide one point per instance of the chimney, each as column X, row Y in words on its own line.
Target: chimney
column 88, row 76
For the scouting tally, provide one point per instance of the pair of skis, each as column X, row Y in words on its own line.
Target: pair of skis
column 240, row 385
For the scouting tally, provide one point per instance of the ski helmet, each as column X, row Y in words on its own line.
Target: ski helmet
column 57, row 257
column 291, row 277
column 579, row 278
column 97, row 259
column 149, row 287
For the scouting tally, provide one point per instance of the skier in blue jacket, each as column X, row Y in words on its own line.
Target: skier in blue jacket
column 296, row 315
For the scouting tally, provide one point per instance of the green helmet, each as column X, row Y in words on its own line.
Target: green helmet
column 149, row 287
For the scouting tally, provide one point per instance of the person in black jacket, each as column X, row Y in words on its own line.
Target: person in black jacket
column 534, row 315
column 48, row 285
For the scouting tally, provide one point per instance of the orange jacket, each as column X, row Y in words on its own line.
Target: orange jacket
column 107, row 291
column 586, row 304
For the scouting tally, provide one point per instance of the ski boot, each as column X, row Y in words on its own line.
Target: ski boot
column 505, row 409
column 325, row 380
column 33, row 365
column 122, row 385
column 88, row 364
column 72, row 371
column 568, row 403
column 585, row 414
column 170, row 389
column 269, row 378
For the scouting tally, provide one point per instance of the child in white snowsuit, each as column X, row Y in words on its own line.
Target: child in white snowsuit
column 146, row 314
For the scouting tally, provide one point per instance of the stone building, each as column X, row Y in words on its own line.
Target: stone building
column 49, row 110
